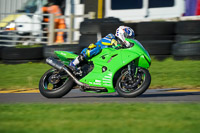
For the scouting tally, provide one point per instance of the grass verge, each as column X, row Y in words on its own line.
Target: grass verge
column 165, row 74
column 21, row 76
column 175, row 74
column 100, row 118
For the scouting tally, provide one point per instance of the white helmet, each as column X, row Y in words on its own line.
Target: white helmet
column 125, row 32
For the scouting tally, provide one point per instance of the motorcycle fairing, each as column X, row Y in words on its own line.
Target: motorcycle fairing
column 108, row 62
column 112, row 60
column 65, row 56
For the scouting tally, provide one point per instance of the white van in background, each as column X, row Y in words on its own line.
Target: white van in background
column 129, row 10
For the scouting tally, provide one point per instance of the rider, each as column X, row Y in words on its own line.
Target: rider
column 53, row 8
column 111, row 40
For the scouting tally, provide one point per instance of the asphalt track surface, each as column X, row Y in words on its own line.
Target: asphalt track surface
column 75, row 96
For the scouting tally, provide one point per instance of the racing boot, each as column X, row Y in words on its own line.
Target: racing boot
column 73, row 64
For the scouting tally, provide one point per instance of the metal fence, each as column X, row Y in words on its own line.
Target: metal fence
column 27, row 28
column 10, row 6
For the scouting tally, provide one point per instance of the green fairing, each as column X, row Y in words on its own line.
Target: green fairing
column 113, row 60
column 65, row 56
column 111, row 57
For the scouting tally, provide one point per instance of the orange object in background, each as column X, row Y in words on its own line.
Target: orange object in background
column 59, row 22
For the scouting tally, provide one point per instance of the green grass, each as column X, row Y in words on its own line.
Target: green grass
column 100, row 118
column 167, row 73
column 21, row 76
column 172, row 74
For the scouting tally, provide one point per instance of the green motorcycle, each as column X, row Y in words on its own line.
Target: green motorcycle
column 124, row 70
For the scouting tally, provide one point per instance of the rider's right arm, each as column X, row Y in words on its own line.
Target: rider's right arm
column 108, row 40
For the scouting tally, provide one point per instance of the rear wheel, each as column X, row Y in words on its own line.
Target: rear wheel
column 127, row 86
column 55, row 84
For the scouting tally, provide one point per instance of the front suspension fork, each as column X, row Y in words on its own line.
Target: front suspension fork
column 132, row 69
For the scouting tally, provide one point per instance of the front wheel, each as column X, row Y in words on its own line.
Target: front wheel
column 55, row 84
column 127, row 86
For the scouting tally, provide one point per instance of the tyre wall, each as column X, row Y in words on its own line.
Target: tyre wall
column 156, row 37
column 12, row 55
column 187, row 40
column 48, row 51
column 161, row 39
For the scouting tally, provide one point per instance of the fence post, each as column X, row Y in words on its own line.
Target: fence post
column 71, row 28
column 51, row 35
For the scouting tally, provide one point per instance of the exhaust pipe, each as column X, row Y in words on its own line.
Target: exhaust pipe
column 60, row 66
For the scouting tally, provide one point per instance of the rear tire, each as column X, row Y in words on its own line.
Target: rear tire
column 63, row 87
column 138, row 89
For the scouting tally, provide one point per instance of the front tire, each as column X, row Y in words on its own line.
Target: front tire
column 55, row 87
column 129, row 88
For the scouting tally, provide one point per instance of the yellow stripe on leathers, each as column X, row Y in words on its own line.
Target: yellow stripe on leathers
column 113, row 42
column 88, row 53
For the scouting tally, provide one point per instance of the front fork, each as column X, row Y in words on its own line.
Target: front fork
column 132, row 69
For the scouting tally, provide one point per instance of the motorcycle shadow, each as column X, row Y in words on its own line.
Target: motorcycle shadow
column 171, row 94
column 145, row 95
